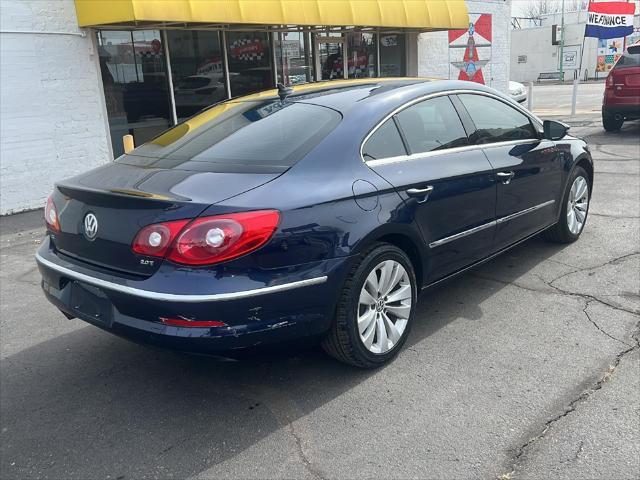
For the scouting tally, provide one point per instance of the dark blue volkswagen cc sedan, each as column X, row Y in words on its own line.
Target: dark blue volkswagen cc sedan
column 317, row 212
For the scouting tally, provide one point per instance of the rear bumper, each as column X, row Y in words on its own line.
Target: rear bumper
column 257, row 308
column 629, row 107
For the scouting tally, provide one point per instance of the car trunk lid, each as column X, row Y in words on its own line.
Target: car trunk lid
column 124, row 198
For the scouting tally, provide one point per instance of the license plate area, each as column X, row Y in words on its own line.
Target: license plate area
column 91, row 304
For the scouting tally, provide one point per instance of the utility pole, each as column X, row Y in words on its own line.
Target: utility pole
column 562, row 45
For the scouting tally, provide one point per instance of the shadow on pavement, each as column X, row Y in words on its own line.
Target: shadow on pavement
column 89, row 405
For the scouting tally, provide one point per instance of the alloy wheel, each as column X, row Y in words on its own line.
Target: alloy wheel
column 577, row 205
column 384, row 306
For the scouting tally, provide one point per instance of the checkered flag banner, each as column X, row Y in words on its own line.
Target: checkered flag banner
column 247, row 49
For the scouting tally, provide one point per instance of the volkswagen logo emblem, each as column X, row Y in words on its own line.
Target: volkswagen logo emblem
column 90, row 226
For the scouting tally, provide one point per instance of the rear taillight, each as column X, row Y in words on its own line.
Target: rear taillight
column 155, row 240
column 609, row 82
column 51, row 215
column 208, row 240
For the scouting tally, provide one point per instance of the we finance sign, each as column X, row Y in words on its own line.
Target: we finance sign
column 610, row 19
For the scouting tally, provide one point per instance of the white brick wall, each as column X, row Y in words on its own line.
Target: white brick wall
column 433, row 48
column 52, row 119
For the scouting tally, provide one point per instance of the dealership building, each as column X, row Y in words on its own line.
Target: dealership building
column 76, row 76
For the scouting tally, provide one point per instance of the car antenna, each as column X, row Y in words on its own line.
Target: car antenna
column 283, row 92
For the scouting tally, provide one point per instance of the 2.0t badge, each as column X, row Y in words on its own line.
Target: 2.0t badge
column 90, row 226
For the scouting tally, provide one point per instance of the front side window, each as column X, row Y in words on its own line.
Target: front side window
column 384, row 143
column 432, row 125
column 496, row 121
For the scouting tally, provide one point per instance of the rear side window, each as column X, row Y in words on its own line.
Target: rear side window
column 239, row 136
column 384, row 143
column 432, row 125
column 496, row 121
column 629, row 60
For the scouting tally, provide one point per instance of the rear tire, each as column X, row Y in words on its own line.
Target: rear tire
column 610, row 123
column 382, row 311
column 567, row 230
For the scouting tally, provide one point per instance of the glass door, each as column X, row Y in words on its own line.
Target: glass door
column 136, row 88
column 293, row 57
column 362, row 54
column 330, row 51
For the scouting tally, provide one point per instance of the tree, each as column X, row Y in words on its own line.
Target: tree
column 538, row 8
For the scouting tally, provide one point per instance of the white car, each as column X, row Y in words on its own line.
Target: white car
column 518, row 92
column 197, row 92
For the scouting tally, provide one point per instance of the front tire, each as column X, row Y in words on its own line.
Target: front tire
column 610, row 123
column 575, row 209
column 375, row 309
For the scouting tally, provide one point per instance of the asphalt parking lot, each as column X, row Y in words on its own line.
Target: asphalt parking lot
column 528, row 367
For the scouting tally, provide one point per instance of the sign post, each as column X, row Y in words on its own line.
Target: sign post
column 562, row 46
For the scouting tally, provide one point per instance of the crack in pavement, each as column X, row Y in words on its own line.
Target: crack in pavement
column 571, row 407
column 586, row 296
column 562, row 291
column 589, row 298
column 584, row 310
column 584, row 269
column 314, row 471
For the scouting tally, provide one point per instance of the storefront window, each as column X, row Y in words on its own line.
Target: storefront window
column 392, row 55
column 361, row 49
column 293, row 58
column 249, row 62
column 196, row 66
column 330, row 51
column 135, row 83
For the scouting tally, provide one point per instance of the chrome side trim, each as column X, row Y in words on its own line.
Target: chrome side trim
column 493, row 223
column 524, row 212
column 484, row 260
column 384, row 161
column 448, row 151
column 466, row 233
column 171, row 297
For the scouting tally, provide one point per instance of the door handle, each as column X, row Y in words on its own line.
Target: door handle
column 506, row 177
column 421, row 193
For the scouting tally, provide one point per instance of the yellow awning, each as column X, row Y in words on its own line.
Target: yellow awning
column 402, row 14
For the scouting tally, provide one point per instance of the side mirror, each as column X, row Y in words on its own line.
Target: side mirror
column 554, row 130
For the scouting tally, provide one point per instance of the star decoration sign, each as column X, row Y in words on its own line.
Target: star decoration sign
column 478, row 35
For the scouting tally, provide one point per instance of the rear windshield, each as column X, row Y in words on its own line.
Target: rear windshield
column 239, row 136
column 629, row 60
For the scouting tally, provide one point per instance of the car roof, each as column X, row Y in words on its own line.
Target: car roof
column 343, row 95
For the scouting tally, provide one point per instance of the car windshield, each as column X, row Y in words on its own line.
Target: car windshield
column 267, row 135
